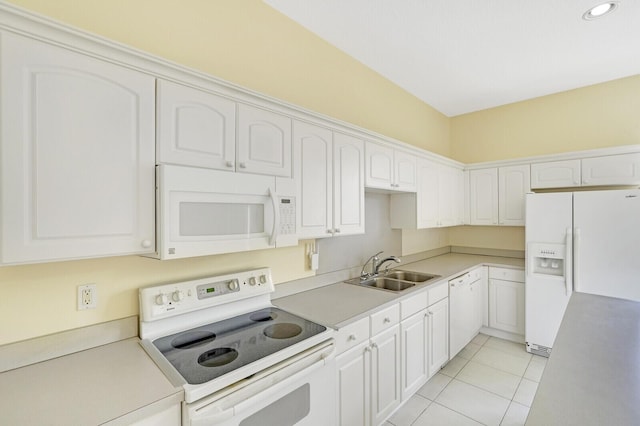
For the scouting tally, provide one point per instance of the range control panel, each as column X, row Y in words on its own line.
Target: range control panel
column 165, row 300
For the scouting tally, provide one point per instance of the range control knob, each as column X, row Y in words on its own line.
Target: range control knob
column 161, row 299
column 177, row 295
column 252, row 281
column 232, row 285
column 263, row 279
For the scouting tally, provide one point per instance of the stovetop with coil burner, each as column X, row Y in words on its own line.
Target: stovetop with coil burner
column 204, row 353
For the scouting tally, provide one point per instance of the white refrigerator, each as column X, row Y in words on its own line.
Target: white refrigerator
column 587, row 241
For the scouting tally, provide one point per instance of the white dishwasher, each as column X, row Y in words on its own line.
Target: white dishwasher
column 465, row 309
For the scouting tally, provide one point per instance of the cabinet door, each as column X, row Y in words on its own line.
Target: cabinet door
column 348, row 185
column 385, row 374
column 506, row 306
column 513, row 184
column 264, row 142
column 428, row 195
column 195, row 128
column 313, row 152
column 379, row 166
column 405, row 171
column 484, row 196
column 556, row 174
column 78, row 157
column 354, row 387
column 438, row 332
column 449, row 183
column 414, row 335
column 621, row 169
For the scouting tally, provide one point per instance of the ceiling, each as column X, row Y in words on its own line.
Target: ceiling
column 461, row 56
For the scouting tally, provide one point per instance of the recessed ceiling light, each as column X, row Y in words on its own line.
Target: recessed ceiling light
column 600, row 10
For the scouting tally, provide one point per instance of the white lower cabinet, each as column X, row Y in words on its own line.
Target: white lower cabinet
column 438, row 330
column 171, row 416
column 385, row 374
column 368, row 375
column 506, row 300
column 425, row 340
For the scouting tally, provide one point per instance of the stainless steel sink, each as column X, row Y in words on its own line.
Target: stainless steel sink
column 416, row 277
column 387, row 284
column 395, row 281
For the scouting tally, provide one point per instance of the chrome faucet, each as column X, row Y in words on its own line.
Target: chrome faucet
column 375, row 265
column 386, row 259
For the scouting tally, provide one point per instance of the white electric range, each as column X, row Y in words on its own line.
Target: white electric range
column 238, row 358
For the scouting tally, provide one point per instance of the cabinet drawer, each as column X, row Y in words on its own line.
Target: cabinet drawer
column 438, row 293
column 413, row 304
column 506, row 274
column 351, row 335
column 384, row 319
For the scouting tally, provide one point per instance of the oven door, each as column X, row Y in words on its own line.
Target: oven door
column 204, row 212
column 300, row 391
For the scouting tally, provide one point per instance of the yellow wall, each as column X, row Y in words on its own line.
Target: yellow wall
column 599, row 116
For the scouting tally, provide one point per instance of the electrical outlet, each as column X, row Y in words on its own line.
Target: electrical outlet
column 87, row 296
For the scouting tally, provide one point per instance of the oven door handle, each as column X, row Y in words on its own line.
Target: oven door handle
column 234, row 403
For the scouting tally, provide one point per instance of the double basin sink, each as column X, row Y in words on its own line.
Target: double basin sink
column 396, row 280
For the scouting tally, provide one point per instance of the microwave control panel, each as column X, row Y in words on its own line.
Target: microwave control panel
column 287, row 215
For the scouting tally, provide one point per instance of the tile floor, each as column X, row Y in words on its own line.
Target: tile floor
column 490, row 382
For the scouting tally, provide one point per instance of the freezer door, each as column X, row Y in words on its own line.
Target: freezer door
column 547, row 217
column 607, row 243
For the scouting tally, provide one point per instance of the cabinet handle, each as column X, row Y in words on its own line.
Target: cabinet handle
column 229, row 163
column 146, row 244
column 337, row 230
column 330, row 231
column 243, row 165
column 367, row 349
column 386, row 320
column 352, row 337
column 374, row 346
column 430, row 313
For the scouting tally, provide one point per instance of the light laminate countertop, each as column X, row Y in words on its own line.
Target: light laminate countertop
column 117, row 382
column 339, row 304
column 593, row 374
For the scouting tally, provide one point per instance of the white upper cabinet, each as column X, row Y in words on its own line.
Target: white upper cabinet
column 389, row 168
column 264, row 142
column 77, row 164
column 348, row 185
column 330, row 173
column 611, row 170
column 556, row 174
column 195, row 128
column 496, row 195
column 438, row 200
column 513, row 184
column 198, row 128
column 622, row 169
column 483, row 196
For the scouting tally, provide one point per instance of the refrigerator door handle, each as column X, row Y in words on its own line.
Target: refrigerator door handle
column 568, row 276
column 576, row 254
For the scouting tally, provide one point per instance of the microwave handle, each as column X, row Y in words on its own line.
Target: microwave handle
column 276, row 217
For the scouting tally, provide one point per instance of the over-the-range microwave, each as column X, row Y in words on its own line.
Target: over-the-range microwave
column 202, row 212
